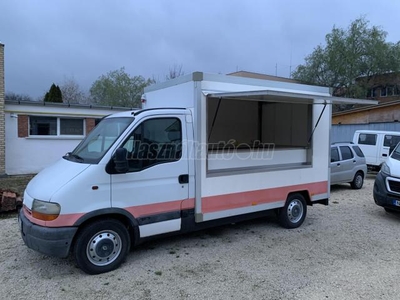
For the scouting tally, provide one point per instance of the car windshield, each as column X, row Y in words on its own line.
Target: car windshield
column 396, row 153
column 100, row 139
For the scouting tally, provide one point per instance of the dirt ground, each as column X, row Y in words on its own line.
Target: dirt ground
column 346, row 250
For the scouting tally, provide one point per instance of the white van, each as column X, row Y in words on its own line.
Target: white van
column 387, row 183
column 204, row 150
column 376, row 145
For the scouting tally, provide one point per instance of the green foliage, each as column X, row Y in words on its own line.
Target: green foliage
column 359, row 52
column 54, row 94
column 118, row 88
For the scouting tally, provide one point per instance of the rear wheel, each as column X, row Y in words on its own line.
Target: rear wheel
column 101, row 246
column 294, row 212
column 358, row 181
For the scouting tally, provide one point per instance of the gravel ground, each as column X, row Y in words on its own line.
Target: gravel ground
column 347, row 250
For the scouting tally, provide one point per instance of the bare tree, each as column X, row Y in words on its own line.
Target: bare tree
column 71, row 92
column 174, row 72
column 17, row 97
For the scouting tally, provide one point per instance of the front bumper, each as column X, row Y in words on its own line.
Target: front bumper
column 53, row 241
column 382, row 196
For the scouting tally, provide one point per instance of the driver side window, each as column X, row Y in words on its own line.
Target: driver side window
column 153, row 142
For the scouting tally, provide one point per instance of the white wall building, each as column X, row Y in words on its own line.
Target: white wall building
column 37, row 133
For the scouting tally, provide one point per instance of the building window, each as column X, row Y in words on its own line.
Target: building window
column 390, row 90
column 383, row 92
column 397, row 90
column 374, row 92
column 53, row 126
column 43, row 126
column 71, row 126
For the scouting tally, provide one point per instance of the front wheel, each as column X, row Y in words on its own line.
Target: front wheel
column 294, row 212
column 101, row 246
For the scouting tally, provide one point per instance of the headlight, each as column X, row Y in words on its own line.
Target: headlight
column 385, row 169
column 45, row 211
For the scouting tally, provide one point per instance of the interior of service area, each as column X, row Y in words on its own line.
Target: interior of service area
column 279, row 132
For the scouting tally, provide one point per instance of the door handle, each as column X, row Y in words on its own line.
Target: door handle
column 384, row 154
column 338, row 164
column 184, row 178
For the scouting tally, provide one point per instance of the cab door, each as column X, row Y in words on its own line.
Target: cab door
column 156, row 183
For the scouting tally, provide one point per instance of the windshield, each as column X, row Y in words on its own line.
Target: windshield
column 100, row 139
column 396, row 153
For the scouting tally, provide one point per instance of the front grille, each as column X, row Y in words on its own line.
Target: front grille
column 394, row 186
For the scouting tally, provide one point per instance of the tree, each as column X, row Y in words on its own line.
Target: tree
column 71, row 92
column 54, row 94
column 17, row 97
column 118, row 88
column 174, row 72
column 350, row 59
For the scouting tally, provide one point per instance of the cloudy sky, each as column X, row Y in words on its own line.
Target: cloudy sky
column 50, row 41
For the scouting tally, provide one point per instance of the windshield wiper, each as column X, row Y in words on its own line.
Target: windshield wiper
column 76, row 157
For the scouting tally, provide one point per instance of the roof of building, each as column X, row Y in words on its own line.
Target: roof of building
column 75, row 105
column 366, row 108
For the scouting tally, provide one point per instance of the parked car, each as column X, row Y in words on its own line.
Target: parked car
column 348, row 165
column 387, row 183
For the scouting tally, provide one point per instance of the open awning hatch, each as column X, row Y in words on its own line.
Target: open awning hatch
column 288, row 97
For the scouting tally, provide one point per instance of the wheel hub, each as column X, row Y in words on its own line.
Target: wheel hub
column 295, row 211
column 103, row 248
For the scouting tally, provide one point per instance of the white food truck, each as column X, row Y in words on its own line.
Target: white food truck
column 204, row 150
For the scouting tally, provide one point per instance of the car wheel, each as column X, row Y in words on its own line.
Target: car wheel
column 389, row 210
column 101, row 246
column 358, row 181
column 294, row 212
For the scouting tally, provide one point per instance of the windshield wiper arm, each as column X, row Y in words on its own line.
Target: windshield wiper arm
column 75, row 156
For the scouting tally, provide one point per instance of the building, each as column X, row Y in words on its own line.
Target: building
column 2, row 125
column 39, row 133
column 383, row 87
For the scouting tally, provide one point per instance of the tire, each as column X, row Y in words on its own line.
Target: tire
column 101, row 246
column 390, row 210
column 358, row 181
column 294, row 212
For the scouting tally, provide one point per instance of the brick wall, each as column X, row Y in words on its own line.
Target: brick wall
column 90, row 123
column 23, row 126
column 2, row 116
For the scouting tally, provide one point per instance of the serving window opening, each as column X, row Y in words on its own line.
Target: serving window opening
column 278, row 132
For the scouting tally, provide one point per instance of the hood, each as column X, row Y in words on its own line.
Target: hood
column 394, row 166
column 51, row 179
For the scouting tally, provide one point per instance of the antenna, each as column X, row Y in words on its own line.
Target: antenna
column 290, row 64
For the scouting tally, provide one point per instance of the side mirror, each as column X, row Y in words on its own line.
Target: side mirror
column 121, row 163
